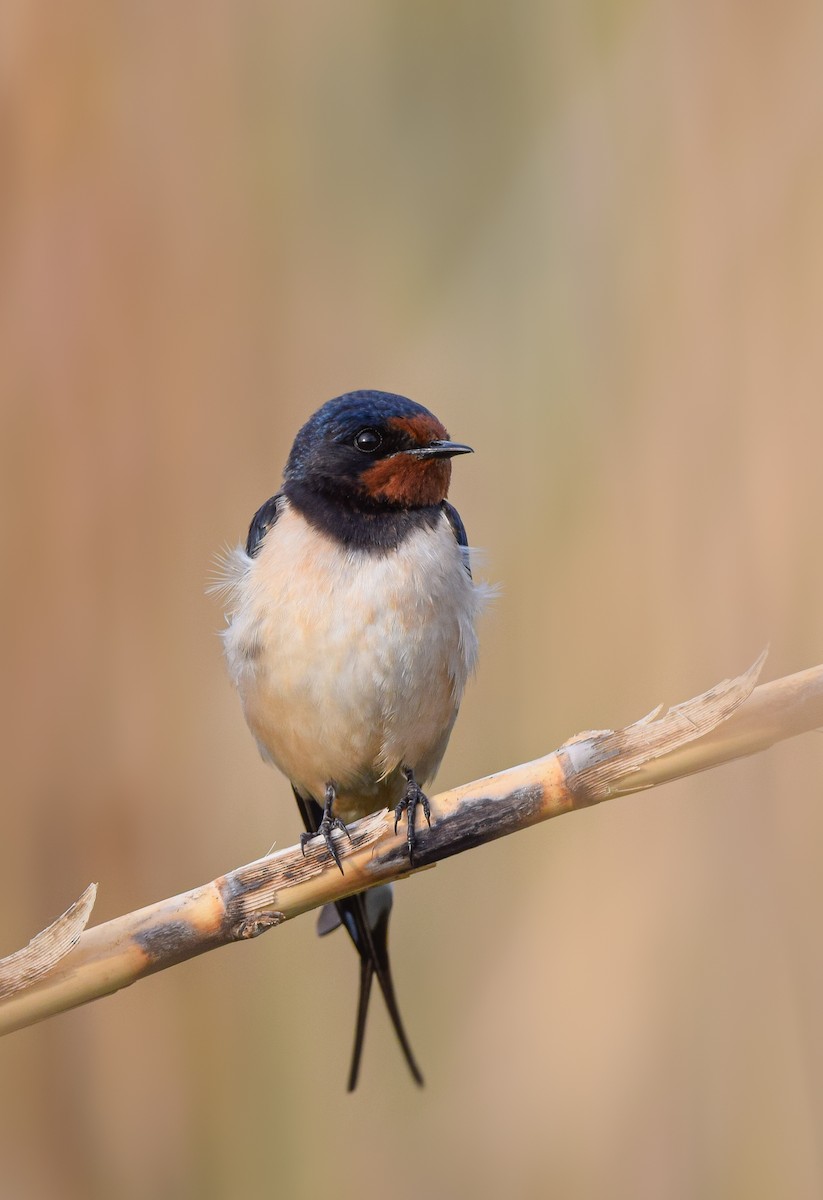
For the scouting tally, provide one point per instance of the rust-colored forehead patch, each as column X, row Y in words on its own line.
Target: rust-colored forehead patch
column 405, row 480
column 422, row 429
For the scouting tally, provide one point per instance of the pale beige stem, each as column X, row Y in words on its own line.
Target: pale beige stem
column 730, row 721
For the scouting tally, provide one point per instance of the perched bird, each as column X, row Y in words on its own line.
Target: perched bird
column 352, row 633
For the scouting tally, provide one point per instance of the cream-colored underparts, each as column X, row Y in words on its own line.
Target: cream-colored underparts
column 351, row 664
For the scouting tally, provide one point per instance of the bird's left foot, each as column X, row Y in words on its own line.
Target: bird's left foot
column 327, row 827
column 412, row 796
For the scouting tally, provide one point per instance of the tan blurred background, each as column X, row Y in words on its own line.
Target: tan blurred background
column 589, row 235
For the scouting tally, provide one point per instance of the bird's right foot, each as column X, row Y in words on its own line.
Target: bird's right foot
column 326, row 828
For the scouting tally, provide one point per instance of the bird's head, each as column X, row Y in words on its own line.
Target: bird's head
column 373, row 450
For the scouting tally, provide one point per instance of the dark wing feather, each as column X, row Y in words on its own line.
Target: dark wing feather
column 459, row 531
column 261, row 523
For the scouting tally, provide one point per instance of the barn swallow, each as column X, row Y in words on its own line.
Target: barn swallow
column 351, row 637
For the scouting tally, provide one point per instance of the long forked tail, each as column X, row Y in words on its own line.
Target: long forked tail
column 366, row 920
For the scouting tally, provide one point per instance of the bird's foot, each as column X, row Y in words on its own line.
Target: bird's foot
column 412, row 796
column 326, row 828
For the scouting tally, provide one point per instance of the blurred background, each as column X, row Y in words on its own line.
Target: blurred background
column 588, row 235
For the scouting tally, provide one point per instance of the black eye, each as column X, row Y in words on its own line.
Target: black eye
column 368, row 440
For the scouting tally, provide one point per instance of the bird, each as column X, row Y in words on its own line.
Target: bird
column 350, row 636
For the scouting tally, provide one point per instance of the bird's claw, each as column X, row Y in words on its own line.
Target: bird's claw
column 325, row 830
column 412, row 797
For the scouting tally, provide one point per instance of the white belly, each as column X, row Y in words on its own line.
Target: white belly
column 351, row 664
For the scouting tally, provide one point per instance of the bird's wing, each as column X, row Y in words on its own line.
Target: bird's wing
column 459, row 531
column 261, row 523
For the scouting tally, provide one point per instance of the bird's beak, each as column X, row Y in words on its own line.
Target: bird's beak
column 439, row 450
